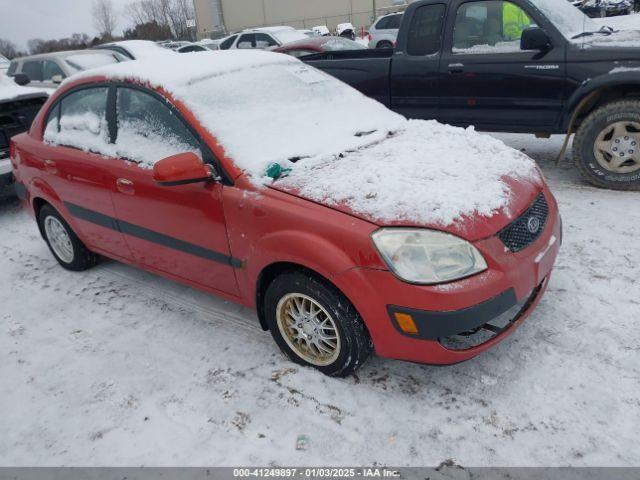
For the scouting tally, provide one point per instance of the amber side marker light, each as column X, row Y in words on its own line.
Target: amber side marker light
column 406, row 323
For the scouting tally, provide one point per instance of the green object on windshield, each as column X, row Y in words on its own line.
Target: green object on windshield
column 275, row 171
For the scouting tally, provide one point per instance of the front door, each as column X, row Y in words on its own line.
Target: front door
column 75, row 163
column 179, row 230
column 416, row 71
column 488, row 81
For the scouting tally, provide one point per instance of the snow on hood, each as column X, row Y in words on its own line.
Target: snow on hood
column 426, row 174
column 622, row 38
column 341, row 147
column 10, row 89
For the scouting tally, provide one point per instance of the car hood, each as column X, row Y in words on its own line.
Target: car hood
column 620, row 45
column 416, row 179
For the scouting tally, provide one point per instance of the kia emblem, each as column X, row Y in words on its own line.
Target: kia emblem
column 533, row 224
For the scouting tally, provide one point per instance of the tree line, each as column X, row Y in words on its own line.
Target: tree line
column 148, row 19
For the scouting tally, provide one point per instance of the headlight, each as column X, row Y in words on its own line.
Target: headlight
column 427, row 256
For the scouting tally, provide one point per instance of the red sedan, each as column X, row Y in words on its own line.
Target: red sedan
column 314, row 45
column 250, row 177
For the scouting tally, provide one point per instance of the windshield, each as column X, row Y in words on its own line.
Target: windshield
column 566, row 18
column 250, row 118
column 90, row 60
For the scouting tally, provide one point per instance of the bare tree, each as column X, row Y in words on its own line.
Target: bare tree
column 8, row 49
column 165, row 13
column 104, row 17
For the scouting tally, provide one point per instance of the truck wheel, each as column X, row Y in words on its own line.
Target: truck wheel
column 384, row 44
column 65, row 245
column 315, row 325
column 607, row 146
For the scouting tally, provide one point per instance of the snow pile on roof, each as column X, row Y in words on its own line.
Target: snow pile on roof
column 428, row 173
column 265, row 107
column 10, row 90
column 143, row 49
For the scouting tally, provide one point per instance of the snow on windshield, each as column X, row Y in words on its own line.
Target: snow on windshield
column 90, row 60
column 566, row 18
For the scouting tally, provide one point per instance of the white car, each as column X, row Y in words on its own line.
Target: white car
column 48, row 70
column 322, row 30
column 384, row 32
column 262, row 38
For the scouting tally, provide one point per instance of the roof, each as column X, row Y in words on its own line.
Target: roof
column 269, row 29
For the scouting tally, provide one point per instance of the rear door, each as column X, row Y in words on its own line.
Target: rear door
column 178, row 230
column 75, row 162
column 488, row 80
column 415, row 71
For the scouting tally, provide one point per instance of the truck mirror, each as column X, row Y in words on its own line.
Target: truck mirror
column 534, row 38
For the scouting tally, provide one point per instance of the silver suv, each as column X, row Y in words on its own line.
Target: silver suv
column 384, row 32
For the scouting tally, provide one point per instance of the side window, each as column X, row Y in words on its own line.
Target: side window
column 489, row 27
column 247, row 41
column 265, row 41
column 50, row 69
column 12, row 69
column 394, row 22
column 83, row 122
column 33, row 69
column 425, row 31
column 226, row 45
column 383, row 23
column 148, row 130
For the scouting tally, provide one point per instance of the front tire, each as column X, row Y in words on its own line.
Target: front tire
column 64, row 244
column 607, row 146
column 315, row 325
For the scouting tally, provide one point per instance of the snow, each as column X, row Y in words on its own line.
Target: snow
column 415, row 175
column 499, row 47
column 621, row 22
column 145, row 49
column 10, row 90
column 569, row 20
column 289, row 36
column 117, row 367
column 625, row 70
column 249, row 119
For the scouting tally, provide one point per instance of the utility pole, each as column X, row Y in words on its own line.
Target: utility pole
column 375, row 12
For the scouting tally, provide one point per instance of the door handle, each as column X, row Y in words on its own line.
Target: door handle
column 456, row 68
column 125, row 186
column 50, row 166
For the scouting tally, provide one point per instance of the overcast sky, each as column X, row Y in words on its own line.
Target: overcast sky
column 21, row 20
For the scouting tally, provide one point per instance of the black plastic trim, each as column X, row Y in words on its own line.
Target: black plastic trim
column 434, row 325
column 150, row 235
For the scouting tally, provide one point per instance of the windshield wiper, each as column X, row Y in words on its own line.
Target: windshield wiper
column 602, row 31
column 364, row 134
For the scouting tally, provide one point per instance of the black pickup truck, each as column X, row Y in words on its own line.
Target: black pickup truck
column 528, row 66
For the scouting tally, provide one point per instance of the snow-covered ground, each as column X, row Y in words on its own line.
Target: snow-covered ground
column 115, row 366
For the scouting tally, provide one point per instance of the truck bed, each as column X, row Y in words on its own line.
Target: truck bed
column 366, row 70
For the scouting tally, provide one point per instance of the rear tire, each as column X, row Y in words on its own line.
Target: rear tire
column 610, row 128
column 315, row 325
column 384, row 44
column 64, row 244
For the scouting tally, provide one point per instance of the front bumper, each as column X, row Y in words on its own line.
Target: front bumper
column 459, row 320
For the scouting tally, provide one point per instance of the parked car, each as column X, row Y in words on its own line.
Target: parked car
column 315, row 45
column 18, row 107
column 48, row 70
column 194, row 48
column 174, row 45
column 384, row 32
column 618, row 7
column 262, row 38
column 135, row 49
column 518, row 66
column 346, row 30
column 348, row 236
column 4, row 64
column 594, row 9
column 321, row 30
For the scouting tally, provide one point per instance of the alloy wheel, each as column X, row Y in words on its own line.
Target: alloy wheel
column 59, row 239
column 309, row 330
column 617, row 147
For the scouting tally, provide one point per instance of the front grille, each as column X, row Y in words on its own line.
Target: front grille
column 523, row 232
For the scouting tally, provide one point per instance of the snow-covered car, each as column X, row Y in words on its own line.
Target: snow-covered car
column 262, row 38
column 321, row 30
column 192, row 47
column 384, row 32
column 135, row 49
column 48, row 70
column 312, row 46
column 18, row 107
column 346, row 236
column 174, row 45
column 346, row 30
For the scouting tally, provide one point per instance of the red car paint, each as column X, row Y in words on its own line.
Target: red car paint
column 259, row 229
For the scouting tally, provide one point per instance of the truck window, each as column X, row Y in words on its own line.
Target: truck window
column 489, row 27
column 425, row 31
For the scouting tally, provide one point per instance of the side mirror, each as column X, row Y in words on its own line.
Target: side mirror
column 57, row 79
column 535, row 38
column 22, row 79
column 181, row 169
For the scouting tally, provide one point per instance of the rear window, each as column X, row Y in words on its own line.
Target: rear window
column 391, row 22
column 226, row 45
column 33, row 70
column 90, row 60
column 425, row 31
